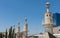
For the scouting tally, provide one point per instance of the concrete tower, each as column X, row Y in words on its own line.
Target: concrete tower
column 25, row 29
column 48, row 23
column 18, row 31
column 18, row 27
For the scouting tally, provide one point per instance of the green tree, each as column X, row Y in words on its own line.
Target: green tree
column 1, row 35
column 13, row 33
column 10, row 33
column 6, row 34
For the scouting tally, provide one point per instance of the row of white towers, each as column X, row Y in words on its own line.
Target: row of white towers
column 25, row 30
column 48, row 21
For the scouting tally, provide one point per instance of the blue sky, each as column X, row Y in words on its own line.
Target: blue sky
column 14, row 11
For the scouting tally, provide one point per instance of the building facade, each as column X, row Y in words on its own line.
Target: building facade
column 56, row 30
column 56, row 17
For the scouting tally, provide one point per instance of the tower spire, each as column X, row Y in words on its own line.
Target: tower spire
column 25, row 28
column 18, row 26
column 25, row 20
column 48, row 6
column 25, row 25
column 48, row 23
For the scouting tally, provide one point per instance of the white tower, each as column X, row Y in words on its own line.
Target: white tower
column 25, row 29
column 18, row 27
column 18, row 31
column 48, row 23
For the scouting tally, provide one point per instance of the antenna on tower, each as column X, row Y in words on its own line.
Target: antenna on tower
column 18, row 23
column 18, row 26
column 25, row 20
column 47, row 6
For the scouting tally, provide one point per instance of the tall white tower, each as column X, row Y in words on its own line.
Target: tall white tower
column 25, row 29
column 18, row 31
column 18, row 27
column 48, row 22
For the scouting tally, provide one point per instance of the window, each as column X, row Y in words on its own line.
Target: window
column 46, row 15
